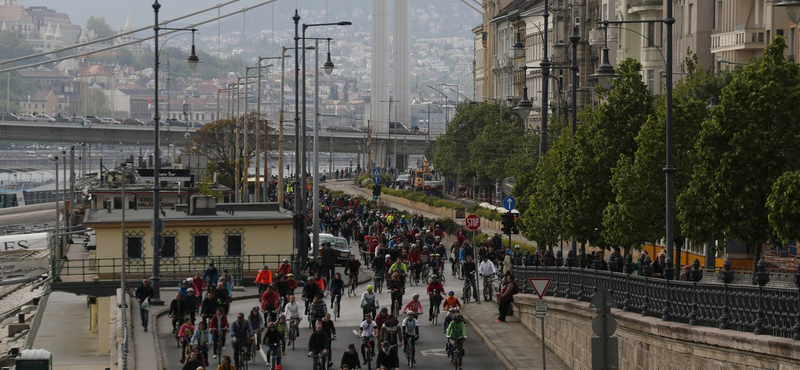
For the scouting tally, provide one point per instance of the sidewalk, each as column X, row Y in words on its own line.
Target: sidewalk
column 64, row 332
column 516, row 346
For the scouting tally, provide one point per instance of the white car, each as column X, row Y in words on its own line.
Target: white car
column 44, row 118
column 109, row 121
column 27, row 117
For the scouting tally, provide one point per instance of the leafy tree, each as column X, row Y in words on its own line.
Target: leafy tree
column 97, row 103
column 13, row 45
column 99, row 26
column 638, row 212
column 751, row 140
column 606, row 134
column 542, row 206
column 783, row 205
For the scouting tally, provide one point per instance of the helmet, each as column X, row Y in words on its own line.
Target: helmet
column 266, row 267
column 425, row 248
column 410, row 313
column 290, row 274
column 369, row 288
column 271, row 325
column 285, row 260
column 413, row 246
column 457, row 317
column 310, row 280
column 388, row 256
column 416, row 295
column 516, row 246
column 282, row 316
column 434, row 277
column 451, row 293
column 255, row 308
column 190, row 290
column 438, row 237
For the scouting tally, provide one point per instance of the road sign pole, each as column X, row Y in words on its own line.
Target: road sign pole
column 544, row 350
column 477, row 275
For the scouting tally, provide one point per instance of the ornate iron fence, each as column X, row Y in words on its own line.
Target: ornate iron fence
column 757, row 308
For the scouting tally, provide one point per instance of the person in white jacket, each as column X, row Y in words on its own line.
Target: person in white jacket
column 292, row 313
column 369, row 302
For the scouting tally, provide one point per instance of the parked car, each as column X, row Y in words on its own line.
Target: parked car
column 77, row 120
column 8, row 117
column 132, row 122
column 43, row 118
column 397, row 128
column 62, row 119
column 197, row 124
column 174, row 122
column 109, row 121
column 93, row 119
column 27, row 117
column 339, row 245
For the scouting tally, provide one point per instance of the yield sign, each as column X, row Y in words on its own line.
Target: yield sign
column 539, row 285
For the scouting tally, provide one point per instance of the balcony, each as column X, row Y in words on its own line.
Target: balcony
column 741, row 38
column 635, row 6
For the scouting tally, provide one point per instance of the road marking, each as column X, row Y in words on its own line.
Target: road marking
column 439, row 352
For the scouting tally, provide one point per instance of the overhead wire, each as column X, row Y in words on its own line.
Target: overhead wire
column 193, row 25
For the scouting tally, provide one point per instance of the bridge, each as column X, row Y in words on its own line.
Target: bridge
column 341, row 142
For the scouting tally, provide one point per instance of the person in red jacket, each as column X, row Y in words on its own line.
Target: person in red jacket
column 198, row 285
column 285, row 268
column 270, row 303
column 219, row 329
column 435, row 292
column 414, row 259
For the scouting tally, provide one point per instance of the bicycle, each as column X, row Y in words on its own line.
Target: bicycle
column 396, row 308
column 351, row 290
column 368, row 352
column 488, row 288
column 435, row 315
column 253, row 351
column 425, row 273
column 413, row 279
column 467, row 291
column 458, row 354
column 378, row 282
column 243, row 356
column 456, row 268
column 294, row 330
column 273, row 357
column 410, row 351
column 320, row 361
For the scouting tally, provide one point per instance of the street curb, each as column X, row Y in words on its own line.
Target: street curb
column 489, row 345
column 156, row 316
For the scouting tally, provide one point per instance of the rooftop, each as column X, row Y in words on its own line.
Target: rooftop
column 241, row 211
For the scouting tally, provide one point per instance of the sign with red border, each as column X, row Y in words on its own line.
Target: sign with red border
column 539, row 285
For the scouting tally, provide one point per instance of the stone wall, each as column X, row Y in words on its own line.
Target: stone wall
column 647, row 343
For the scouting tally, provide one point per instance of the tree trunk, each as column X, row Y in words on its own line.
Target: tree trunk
column 757, row 250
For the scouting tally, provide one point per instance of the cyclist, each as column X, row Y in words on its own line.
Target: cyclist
column 390, row 332
column 257, row 323
column 317, row 343
column 190, row 303
column 241, row 335
column 219, row 328
column 350, row 358
column 425, row 256
column 382, row 317
column 185, row 334
column 283, row 329
column 414, row 259
column 336, row 289
column 270, row 304
column 401, row 268
column 330, row 332
column 435, row 291
column 396, row 287
column 441, row 250
column 310, row 290
column 292, row 312
column 222, row 297
column 208, row 307
column 263, row 279
column 451, row 301
column 387, row 359
column 414, row 306
column 410, row 329
column 211, row 275
column 291, row 284
column 176, row 312
column 369, row 302
column 318, row 309
column 469, row 275
column 487, row 269
column 455, row 331
column 274, row 341
column 285, row 268
column 351, row 269
column 202, row 339
column 366, row 332
column 448, row 318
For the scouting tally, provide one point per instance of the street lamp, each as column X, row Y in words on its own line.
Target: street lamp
column 329, row 64
column 518, row 48
column 792, row 9
column 605, row 72
column 193, row 60
column 56, row 242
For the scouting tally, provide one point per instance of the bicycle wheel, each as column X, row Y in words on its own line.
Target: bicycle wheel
column 253, row 352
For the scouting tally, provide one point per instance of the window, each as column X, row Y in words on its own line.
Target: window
column 201, row 243
column 792, row 42
column 168, row 249
column 651, row 80
column 605, row 12
column 651, row 35
column 691, row 20
column 234, row 242
column 134, row 247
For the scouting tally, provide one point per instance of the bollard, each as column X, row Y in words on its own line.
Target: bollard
column 36, row 301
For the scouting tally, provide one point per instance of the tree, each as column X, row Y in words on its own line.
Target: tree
column 606, row 134
column 542, row 204
column 752, row 139
column 783, row 204
column 13, row 45
column 637, row 214
column 97, row 103
column 99, row 27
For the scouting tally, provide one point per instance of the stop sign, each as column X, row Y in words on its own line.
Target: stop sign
column 473, row 222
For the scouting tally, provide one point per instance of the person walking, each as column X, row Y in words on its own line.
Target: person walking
column 144, row 293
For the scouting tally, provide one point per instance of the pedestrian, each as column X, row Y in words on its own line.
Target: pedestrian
column 144, row 293
column 510, row 288
column 328, row 261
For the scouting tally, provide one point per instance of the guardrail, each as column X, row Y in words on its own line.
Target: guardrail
column 757, row 309
column 177, row 268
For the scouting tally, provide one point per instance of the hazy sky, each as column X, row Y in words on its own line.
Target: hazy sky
column 141, row 12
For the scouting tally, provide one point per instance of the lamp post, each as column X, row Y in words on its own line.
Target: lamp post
column 574, row 39
column 266, row 136
column 56, row 242
column 246, row 130
column 193, row 60
column 606, row 72
column 328, row 65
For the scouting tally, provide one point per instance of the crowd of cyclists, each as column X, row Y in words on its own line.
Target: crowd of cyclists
column 401, row 250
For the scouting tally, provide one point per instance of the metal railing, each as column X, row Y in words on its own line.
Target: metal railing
column 757, row 309
column 177, row 268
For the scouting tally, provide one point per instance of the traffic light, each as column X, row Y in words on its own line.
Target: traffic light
column 508, row 223
column 376, row 191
